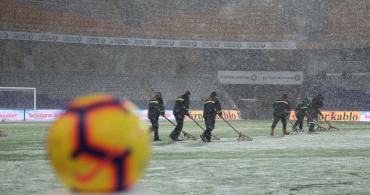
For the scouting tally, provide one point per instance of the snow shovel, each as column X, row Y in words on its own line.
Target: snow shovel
column 186, row 135
column 290, row 122
column 241, row 137
column 212, row 136
column 2, row 134
column 331, row 127
column 319, row 127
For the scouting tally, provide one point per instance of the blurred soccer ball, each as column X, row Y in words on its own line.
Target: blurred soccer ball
column 99, row 145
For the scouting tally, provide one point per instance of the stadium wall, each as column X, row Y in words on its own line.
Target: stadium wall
column 88, row 68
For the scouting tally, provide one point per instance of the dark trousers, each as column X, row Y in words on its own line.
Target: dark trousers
column 210, row 125
column 154, row 121
column 299, row 122
column 180, row 123
column 278, row 117
column 312, row 118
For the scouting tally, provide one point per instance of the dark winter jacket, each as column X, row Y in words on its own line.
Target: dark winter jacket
column 181, row 105
column 301, row 109
column 156, row 107
column 211, row 107
column 281, row 108
column 317, row 102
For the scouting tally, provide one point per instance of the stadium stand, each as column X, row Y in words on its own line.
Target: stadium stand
column 339, row 98
column 347, row 20
column 256, row 22
column 72, row 17
column 245, row 23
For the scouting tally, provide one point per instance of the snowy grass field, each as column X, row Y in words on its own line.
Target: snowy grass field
column 335, row 162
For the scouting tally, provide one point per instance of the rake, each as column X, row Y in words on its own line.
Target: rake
column 319, row 127
column 330, row 126
column 241, row 137
column 290, row 121
column 2, row 134
column 187, row 136
column 212, row 136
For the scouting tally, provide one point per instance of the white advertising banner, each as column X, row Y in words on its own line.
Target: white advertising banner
column 260, row 77
column 11, row 115
column 61, row 38
column 365, row 116
column 43, row 115
column 51, row 115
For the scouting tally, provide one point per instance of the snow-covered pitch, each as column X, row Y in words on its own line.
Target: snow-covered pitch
column 321, row 163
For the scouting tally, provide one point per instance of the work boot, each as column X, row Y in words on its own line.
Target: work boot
column 272, row 131
column 204, row 139
column 208, row 138
column 285, row 132
column 311, row 129
column 157, row 139
column 174, row 139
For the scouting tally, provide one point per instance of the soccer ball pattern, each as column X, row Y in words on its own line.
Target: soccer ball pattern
column 99, row 145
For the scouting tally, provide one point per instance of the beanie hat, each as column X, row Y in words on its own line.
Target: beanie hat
column 158, row 94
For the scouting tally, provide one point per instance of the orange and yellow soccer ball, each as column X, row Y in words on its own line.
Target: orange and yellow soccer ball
column 99, row 145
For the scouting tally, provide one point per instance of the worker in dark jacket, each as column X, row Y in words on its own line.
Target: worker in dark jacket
column 313, row 111
column 281, row 111
column 212, row 107
column 300, row 113
column 180, row 109
column 156, row 108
